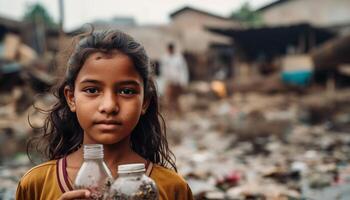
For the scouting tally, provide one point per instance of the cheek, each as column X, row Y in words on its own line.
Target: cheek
column 83, row 117
column 135, row 112
column 84, row 110
column 132, row 113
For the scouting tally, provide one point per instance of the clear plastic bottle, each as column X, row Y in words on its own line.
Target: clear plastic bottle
column 133, row 184
column 94, row 174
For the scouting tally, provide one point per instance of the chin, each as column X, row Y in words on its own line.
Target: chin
column 107, row 137
column 110, row 139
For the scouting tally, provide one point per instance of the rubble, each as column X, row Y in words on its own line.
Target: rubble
column 11, row 44
column 22, row 81
column 259, row 146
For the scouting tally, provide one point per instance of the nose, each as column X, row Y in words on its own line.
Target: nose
column 109, row 104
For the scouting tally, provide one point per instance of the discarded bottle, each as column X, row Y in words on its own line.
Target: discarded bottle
column 133, row 184
column 94, row 174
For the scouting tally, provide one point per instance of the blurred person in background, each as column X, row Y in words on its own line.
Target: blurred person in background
column 174, row 73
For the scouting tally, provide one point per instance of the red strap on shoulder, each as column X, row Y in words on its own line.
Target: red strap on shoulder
column 62, row 175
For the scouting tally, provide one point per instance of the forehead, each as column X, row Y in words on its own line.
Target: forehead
column 113, row 67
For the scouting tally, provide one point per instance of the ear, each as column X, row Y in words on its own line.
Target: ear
column 145, row 105
column 69, row 94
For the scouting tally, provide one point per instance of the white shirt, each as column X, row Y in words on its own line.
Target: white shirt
column 174, row 69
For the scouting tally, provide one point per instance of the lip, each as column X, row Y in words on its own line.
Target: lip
column 108, row 122
column 108, row 125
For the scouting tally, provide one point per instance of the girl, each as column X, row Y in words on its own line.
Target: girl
column 108, row 97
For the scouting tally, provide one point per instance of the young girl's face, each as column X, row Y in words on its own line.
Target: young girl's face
column 108, row 98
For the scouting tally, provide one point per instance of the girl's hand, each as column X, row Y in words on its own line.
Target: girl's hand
column 75, row 194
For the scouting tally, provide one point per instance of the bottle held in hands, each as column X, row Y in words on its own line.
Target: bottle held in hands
column 133, row 184
column 94, row 174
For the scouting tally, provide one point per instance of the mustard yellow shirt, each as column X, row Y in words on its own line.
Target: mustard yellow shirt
column 49, row 181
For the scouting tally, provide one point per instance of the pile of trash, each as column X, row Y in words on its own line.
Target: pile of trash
column 258, row 146
column 25, row 79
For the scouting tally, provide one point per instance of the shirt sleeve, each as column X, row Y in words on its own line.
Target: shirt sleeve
column 189, row 195
column 21, row 193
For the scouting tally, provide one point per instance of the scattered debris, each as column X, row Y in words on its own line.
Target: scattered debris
column 260, row 146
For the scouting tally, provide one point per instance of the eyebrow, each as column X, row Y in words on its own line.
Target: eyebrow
column 91, row 81
column 126, row 82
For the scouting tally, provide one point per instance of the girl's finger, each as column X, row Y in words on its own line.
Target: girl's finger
column 75, row 194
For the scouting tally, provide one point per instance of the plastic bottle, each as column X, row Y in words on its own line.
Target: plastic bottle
column 94, row 174
column 133, row 184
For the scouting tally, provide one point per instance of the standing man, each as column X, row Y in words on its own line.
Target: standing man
column 175, row 74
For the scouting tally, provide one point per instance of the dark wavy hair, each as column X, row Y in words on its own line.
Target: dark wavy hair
column 62, row 134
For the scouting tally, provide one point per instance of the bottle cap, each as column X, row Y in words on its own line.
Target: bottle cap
column 93, row 151
column 130, row 168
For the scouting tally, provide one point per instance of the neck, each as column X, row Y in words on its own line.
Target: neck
column 115, row 155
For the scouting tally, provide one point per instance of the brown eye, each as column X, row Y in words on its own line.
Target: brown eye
column 91, row 90
column 127, row 91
